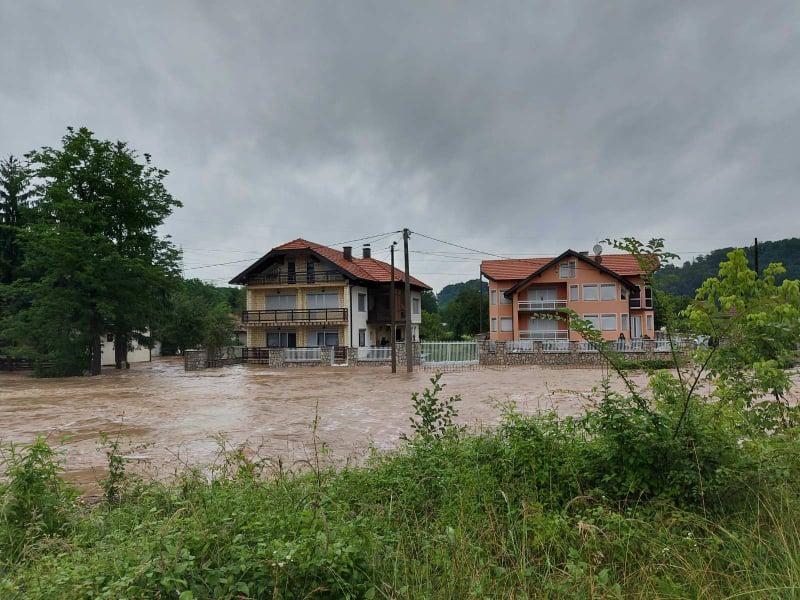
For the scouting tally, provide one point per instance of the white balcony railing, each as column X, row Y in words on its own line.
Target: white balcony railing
column 378, row 353
column 541, row 304
column 560, row 334
column 302, row 354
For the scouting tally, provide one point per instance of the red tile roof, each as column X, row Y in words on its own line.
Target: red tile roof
column 512, row 269
column 368, row 269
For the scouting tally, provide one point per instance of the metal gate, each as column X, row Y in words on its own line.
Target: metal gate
column 339, row 356
column 448, row 354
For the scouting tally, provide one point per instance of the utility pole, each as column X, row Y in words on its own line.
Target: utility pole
column 480, row 301
column 755, row 255
column 409, row 348
column 393, row 336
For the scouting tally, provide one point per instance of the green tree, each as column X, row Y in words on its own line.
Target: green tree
column 96, row 261
column 15, row 214
column 432, row 327
column 463, row 314
column 429, row 302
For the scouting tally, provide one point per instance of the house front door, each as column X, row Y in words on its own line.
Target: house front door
column 636, row 327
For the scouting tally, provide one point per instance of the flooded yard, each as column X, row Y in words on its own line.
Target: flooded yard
column 167, row 418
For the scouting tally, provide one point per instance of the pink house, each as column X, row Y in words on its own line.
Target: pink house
column 606, row 290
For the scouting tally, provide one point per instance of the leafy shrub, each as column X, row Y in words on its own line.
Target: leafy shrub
column 435, row 414
column 34, row 502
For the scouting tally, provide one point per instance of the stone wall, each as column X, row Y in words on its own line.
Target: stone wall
column 499, row 354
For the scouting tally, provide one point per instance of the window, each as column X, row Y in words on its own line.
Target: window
column 362, row 337
column 323, row 300
column 650, row 322
column 310, row 271
column 623, row 322
column 503, row 299
column 648, row 297
column 362, row 302
column 608, row 322
column 281, row 301
column 494, row 298
column 608, row 291
column 567, row 270
column 574, row 292
column 415, row 306
column 291, row 274
column 590, row 291
column 623, row 292
column 593, row 319
column 323, row 338
column 281, row 339
column 494, row 324
column 506, row 324
column 110, row 337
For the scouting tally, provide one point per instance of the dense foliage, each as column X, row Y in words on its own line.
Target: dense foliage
column 685, row 279
column 449, row 292
column 92, row 261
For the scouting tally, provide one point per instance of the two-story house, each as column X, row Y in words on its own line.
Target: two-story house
column 605, row 289
column 302, row 294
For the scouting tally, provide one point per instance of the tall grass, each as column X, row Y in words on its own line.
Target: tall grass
column 534, row 509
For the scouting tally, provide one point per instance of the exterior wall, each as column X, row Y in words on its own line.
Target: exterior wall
column 358, row 319
column 585, row 274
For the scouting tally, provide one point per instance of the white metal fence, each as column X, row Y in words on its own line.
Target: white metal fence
column 375, row 353
column 302, row 354
column 449, row 353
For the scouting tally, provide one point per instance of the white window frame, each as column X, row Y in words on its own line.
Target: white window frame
column 362, row 338
column 282, row 301
column 577, row 289
column 502, row 296
column 596, row 290
column 606, row 286
column 568, row 269
column 415, row 306
column 493, row 301
column 362, row 302
column 623, row 292
column 594, row 319
column 327, row 295
column 603, row 323
column 624, row 325
column 649, row 322
column 314, row 337
column 503, row 321
column 494, row 323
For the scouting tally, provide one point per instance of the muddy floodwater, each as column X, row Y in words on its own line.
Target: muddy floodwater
column 167, row 418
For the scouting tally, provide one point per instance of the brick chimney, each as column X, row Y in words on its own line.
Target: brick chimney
column 366, row 251
column 348, row 252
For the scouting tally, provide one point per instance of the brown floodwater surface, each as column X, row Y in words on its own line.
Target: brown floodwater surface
column 167, row 418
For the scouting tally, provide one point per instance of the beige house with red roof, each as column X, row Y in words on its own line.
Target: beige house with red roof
column 302, row 294
column 605, row 289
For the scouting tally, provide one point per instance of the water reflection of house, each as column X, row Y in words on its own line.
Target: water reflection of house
column 305, row 294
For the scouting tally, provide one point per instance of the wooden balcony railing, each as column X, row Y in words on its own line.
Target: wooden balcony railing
column 305, row 315
column 296, row 278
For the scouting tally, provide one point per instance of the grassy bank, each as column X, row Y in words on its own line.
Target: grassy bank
column 540, row 507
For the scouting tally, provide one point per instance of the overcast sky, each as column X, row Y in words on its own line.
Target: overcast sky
column 516, row 129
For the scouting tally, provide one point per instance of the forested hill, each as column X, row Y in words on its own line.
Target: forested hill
column 449, row 292
column 684, row 280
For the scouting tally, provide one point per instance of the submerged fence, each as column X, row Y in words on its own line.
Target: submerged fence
column 449, row 353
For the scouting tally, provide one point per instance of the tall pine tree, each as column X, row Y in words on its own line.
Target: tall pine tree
column 15, row 213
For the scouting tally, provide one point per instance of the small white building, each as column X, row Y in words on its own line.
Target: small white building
column 136, row 354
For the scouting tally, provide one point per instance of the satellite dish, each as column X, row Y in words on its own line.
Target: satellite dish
column 598, row 249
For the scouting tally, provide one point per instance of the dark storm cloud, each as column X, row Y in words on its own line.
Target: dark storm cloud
column 510, row 127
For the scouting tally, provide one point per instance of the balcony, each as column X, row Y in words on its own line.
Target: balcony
column 307, row 315
column 638, row 303
column 559, row 334
column 541, row 305
column 296, row 278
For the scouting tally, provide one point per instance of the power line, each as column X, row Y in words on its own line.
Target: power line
column 458, row 245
